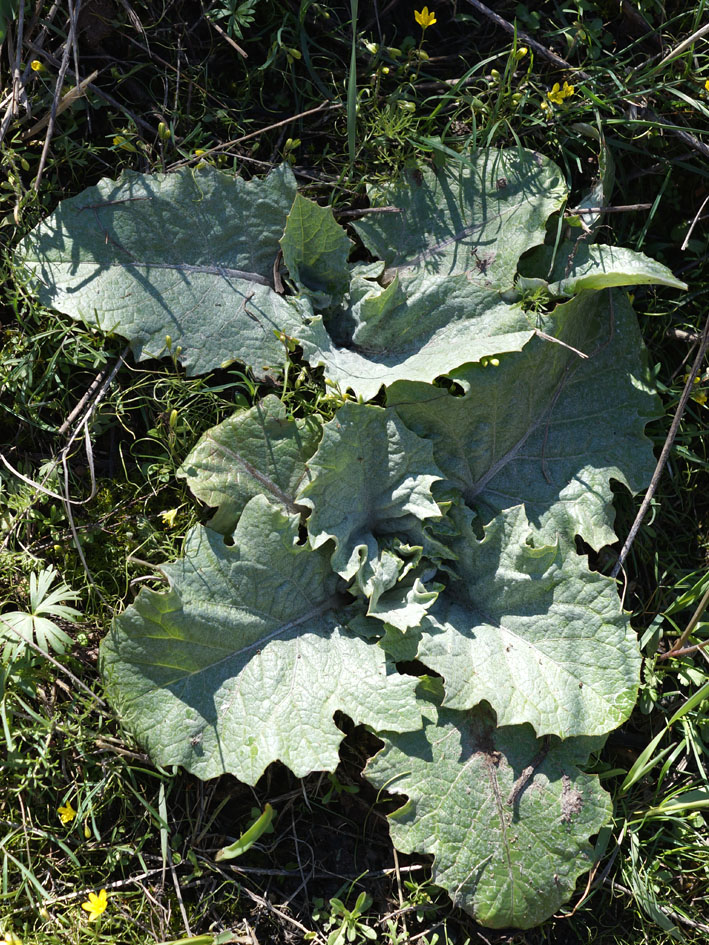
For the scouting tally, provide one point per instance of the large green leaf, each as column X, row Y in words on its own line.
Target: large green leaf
column 452, row 248
column 576, row 266
column 257, row 452
column 188, row 255
column 476, row 216
column 418, row 327
column 506, row 817
column 546, row 427
column 369, row 478
column 244, row 660
column 531, row 631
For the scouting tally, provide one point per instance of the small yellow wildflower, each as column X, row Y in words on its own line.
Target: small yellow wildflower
column 521, row 52
column 698, row 396
column 66, row 813
column 9, row 938
column 559, row 93
column 168, row 517
column 96, row 905
column 424, row 18
column 706, row 84
column 120, row 142
column 37, row 66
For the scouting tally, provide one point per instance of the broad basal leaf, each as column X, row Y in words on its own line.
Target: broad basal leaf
column 531, row 631
column 187, row 255
column 370, row 477
column 417, row 328
column 244, row 660
column 475, row 217
column 452, row 248
column 315, row 250
column 257, row 452
column 580, row 265
column 547, row 427
column 506, row 816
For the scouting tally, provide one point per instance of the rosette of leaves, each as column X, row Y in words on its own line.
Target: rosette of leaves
column 436, row 525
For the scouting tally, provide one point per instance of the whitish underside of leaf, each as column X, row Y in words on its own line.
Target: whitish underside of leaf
column 531, row 631
column 187, row 255
column 506, row 816
column 257, row 452
column 244, row 661
column 370, row 477
column 475, row 217
column 546, row 427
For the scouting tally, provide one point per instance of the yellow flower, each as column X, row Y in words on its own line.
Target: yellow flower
column 168, row 516
column 9, row 938
column 698, row 396
column 706, row 84
column 96, row 905
column 120, row 142
column 66, row 813
column 37, row 66
column 559, row 93
column 424, row 18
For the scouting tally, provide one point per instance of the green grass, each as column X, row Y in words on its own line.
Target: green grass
column 175, row 87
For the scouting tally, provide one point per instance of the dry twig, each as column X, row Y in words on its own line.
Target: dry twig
column 664, row 455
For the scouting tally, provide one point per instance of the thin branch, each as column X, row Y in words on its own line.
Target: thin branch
column 685, row 242
column 575, row 211
column 685, row 44
column 227, row 37
column 66, row 102
column 525, row 37
column 323, row 107
column 677, row 647
column 666, row 449
column 57, row 93
column 47, row 656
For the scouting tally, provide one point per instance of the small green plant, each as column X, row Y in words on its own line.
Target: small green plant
column 393, row 500
column 345, row 925
column 239, row 15
column 37, row 625
column 337, row 788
